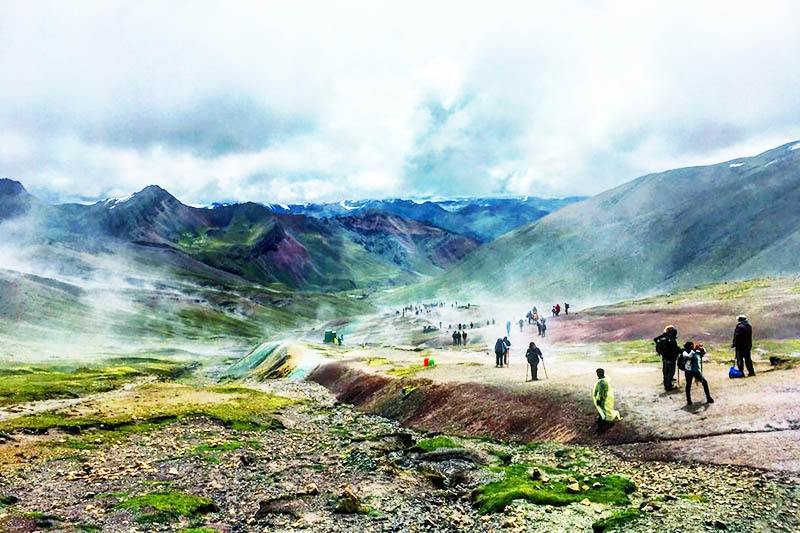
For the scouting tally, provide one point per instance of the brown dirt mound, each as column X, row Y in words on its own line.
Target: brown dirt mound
column 472, row 409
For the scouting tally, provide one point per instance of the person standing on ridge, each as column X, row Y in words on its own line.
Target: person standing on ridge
column 743, row 343
column 533, row 355
column 464, row 337
column 554, row 310
column 521, row 322
column 691, row 358
column 508, row 328
column 539, row 327
column 566, row 308
column 544, row 328
column 667, row 347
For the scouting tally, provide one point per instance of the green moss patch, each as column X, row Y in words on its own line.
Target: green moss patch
column 428, row 445
column 518, row 485
column 30, row 383
column 147, row 406
column 166, row 506
column 616, row 520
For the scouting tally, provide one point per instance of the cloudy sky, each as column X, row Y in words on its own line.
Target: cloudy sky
column 321, row 101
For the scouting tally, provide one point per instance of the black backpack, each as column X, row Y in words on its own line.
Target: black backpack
column 662, row 346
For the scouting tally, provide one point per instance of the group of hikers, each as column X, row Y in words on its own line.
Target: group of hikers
column 534, row 318
column 689, row 358
column 556, row 310
column 460, row 336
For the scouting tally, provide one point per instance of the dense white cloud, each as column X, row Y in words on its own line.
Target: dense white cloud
column 300, row 101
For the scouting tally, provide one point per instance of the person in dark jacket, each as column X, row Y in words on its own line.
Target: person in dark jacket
column 691, row 357
column 667, row 347
column 507, row 344
column 743, row 343
column 464, row 337
column 533, row 355
column 499, row 351
column 544, row 328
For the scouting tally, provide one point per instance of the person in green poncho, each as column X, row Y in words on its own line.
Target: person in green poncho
column 604, row 399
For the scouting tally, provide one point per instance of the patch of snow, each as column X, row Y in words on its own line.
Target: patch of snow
column 284, row 206
column 343, row 203
column 768, row 164
column 734, row 165
column 794, row 147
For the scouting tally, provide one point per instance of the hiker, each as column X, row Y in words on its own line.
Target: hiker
column 464, row 337
column 603, row 396
column 341, row 340
column 558, row 309
column 493, row 321
column 535, row 311
column 544, row 328
column 456, row 337
column 691, row 360
column 566, row 308
column 471, row 325
column 499, row 351
column 667, row 347
column 554, row 310
column 521, row 322
column 743, row 343
column 529, row 316
column 507, row 344
column 508, row 328
column 539, row 327
column 533, row 355
column 440, row 324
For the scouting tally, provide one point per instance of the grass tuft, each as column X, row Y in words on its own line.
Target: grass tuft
column 429, row 445
column 616, row 520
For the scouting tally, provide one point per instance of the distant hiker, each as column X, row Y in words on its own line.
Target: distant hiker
column 455, row 338
column 558, row 309
column 459, row 326
column 667, row 347
column 499, row 352
column 493, row 321
column 743, row 343
column 529, row 316
column 507, row 344
column 544, row 328
column 691, row 359
column 566, row 308
column 535, row 316
column 521, row 322
column 341, row 340
column 471, row 325
column 603, row 396
column 464, row 337
column 539, row 327
column 554, row 310
column 535, row 311
column 508, row 328
column 533, row 355
column 440, row 325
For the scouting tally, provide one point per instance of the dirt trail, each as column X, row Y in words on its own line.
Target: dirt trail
column 754, row 422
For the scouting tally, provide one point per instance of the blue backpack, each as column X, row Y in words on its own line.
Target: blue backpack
column 734, row 372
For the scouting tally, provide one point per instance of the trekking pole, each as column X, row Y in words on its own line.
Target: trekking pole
column 544, row 368
column 526, row 371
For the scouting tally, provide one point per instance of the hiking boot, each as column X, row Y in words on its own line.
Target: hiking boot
column 710, row 400
column 689, row 402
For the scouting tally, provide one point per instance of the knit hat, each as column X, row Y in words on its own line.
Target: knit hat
column 741, row 318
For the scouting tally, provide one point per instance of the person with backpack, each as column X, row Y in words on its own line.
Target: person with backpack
column 667, row 347
column 507, row 344
column 539, row 327
column 566, row 308
column 603, row 398
column 533, row 355
column 558, row 309
column 554, row 310
column 456, row 337
column 691, row 360
column 499, row 352
column 743, row 344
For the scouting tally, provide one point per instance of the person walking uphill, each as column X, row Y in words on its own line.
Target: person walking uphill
column 743, row 343
column 603, row 396
column 508, row 328
column 533, row 355
column 691, row 358
column 499, row 352
column 667, row 347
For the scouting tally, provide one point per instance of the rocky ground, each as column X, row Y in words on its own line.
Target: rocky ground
column 328, row 467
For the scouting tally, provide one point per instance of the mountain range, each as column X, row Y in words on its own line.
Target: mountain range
column 733, row 220
column 366, row 247
column 483, row 219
